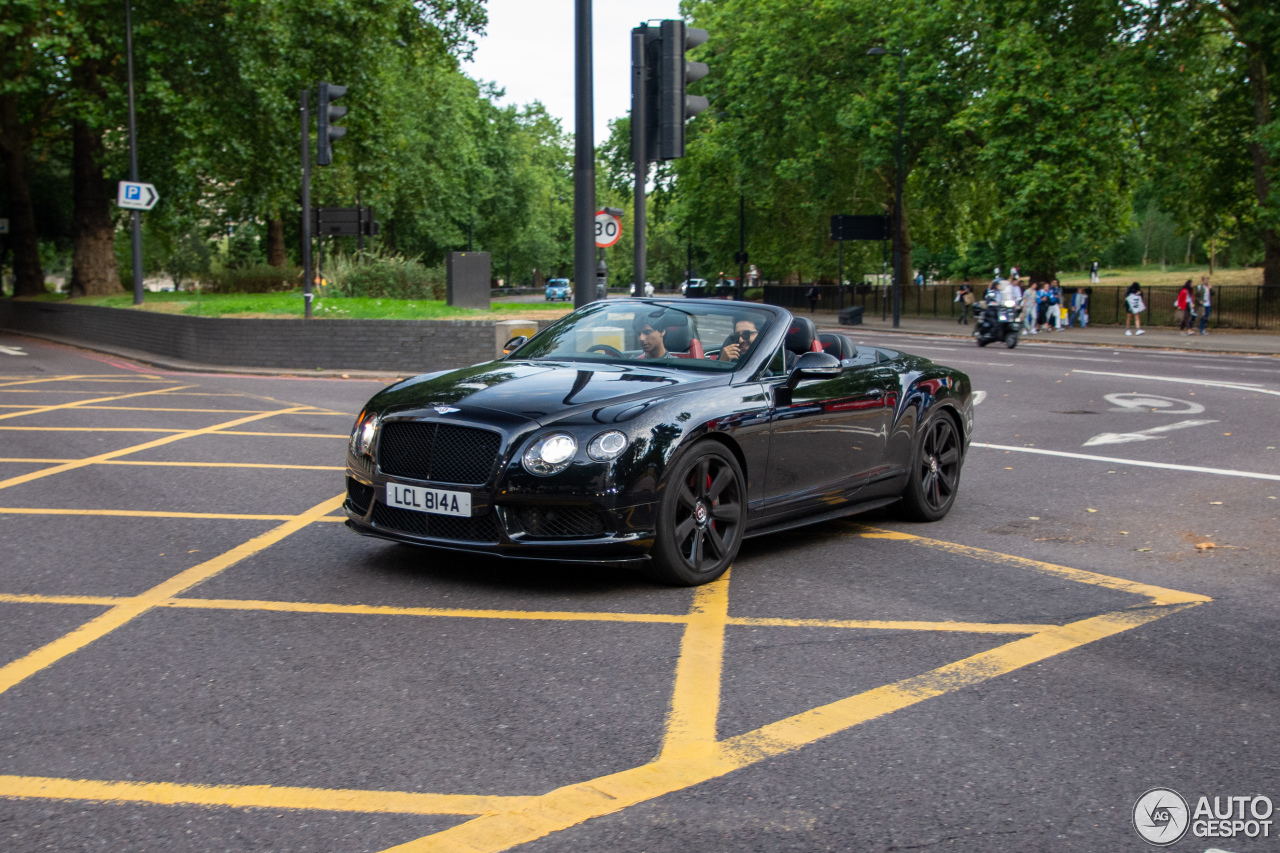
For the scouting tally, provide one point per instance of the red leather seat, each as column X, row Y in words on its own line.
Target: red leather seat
column 681, row 339
column 802, row 336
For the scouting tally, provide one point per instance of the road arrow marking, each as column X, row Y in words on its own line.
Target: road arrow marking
column 12, row 350
column 1141, row 435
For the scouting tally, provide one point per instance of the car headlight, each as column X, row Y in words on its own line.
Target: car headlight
column 607, row 446
column 363, row 433
column 550, row 454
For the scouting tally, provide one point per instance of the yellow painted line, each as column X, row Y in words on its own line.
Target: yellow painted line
column 690, row 730
column 525, row 615
column 286, row 434
column 45, row 379
column 254, row 796
column 102, row 600
column 904, row 625
column 571, row 805
column 154, row 409
column 85, row 429
column 159, row 442
column 131, row 609
column 189, row 464
column 460, row 613
column 1158, row 595
column 77, row 403
column 140, row 513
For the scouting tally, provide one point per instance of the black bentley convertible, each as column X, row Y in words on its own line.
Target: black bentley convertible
column 657, row 432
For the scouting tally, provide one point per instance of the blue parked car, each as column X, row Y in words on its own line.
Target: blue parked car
column 558, row 290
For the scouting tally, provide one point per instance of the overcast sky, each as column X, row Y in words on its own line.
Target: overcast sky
column 528, row 50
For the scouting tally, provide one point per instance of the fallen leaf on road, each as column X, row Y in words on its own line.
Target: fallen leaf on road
column 1226, row 433
column 1205, row 546
column 1090, row 510
column 1215, row 503
column 1034, row 517
column 1124, row 533
column 1142, row 549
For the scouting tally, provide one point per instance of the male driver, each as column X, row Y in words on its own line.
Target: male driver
column 651, row 330
column 739, row 343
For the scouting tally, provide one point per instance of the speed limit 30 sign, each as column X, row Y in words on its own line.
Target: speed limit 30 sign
column 608, row 229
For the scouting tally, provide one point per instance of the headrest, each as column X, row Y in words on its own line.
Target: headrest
column 680, row 332
column 800, row 335
column 836, row 345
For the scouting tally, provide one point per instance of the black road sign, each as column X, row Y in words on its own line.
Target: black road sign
column 860, row 227
column 343, row 221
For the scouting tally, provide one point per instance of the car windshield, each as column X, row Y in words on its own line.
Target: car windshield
column 678, row 335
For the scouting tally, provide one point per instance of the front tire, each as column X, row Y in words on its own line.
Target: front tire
column 934, row 477
column 700, row 517
column 1011, row 341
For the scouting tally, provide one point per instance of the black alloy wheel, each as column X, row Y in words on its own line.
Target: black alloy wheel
column 700, row 517
column 935, row 473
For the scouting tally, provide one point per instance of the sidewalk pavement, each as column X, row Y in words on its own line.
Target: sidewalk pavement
column 1224, row 341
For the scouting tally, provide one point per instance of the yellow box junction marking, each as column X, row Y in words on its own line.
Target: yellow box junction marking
column 75, row 404
column 690, row 752
column 159, row 442
column 132, row 608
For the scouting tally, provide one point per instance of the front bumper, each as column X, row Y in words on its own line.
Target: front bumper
column 510, row 526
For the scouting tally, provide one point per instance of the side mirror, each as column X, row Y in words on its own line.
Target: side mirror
column 514, row 344
column 814, row 365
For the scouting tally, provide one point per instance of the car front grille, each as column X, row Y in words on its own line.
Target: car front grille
column 443, row 453
column 561, row 522
column 359, row 496
column 482, row 528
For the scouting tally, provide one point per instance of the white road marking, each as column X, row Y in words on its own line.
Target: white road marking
column 1113, row 460
column 12, row 350
column 1141, row 435
column 1208, row 383
column 979, row 396
column 1135, row 402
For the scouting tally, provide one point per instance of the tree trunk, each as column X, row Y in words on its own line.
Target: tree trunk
column 28, row 276
column 276, row 256
column 94, row 269
column 1259, row 87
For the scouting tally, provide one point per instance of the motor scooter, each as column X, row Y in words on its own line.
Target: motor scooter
column 997, row 321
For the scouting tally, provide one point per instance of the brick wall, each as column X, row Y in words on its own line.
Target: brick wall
column 402, row 346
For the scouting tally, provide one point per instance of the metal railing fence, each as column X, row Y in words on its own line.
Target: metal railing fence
column 1234, row 306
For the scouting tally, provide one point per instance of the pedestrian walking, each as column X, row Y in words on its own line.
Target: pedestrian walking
column 814, row 294
column 1204, row 296
column 1055, row 306
column 1185, row 309
column 1133, row 307
column 1079, row 308
column 996, row 277
column 1015, row 288
column 1013, row 271
column 1093, row 272
column 966, row 298
column 1029, row 309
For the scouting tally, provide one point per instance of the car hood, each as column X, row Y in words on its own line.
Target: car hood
column 523, row 391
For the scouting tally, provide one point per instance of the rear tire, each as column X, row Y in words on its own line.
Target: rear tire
column 934, row 477
column 700, row 517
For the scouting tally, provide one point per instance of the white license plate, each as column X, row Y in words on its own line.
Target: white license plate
column 436, row 501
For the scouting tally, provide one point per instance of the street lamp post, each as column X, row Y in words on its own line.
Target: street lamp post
column 897, row 201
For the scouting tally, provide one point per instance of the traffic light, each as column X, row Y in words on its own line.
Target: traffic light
column 326, row 132
column 674, row 75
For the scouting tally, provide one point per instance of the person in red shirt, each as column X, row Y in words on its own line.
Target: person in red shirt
column 1186, row 305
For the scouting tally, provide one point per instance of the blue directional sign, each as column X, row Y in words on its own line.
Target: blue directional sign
column 136, row 196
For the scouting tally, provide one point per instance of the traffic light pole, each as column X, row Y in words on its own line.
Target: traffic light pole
column 639, row 118
column 742, row 246
column 584, row 162
column 304, row 104
column 897, row 207
column 135, row 217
